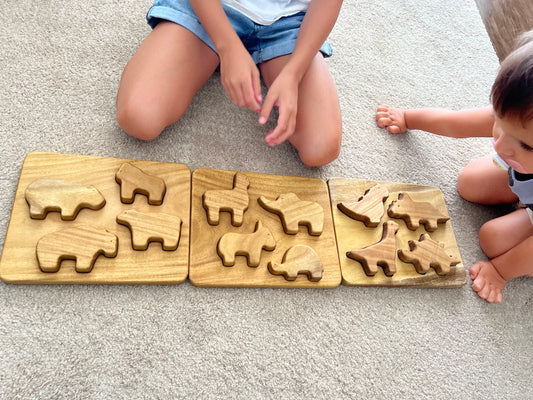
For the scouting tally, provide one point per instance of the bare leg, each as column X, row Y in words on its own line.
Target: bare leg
column 318, row 132
column 161, row 79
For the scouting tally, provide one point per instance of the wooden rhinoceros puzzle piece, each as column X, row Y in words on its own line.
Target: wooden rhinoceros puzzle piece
column 369, row 207
column 53, row 194
column 294, row 212
column 151, row 227
column 250, row 245
column 415, row 213
column 299, row 259
column 134, row 180
column 233, row 200
column 82, row 243
column 382, row 253
column 427, row 253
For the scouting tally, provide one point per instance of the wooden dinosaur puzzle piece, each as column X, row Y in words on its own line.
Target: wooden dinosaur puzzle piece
column 415, row 213
column 53, row 194
column 427, row 253
column 382, row 253
column 233, row 200
column 134, row 180
column 294, row 212
column 82, row 243
column 369, row 207
column 250, row 245
column 299, row 259
column 151, row 227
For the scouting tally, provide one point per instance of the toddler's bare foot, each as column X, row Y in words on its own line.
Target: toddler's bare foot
column 393, row 119
column 488, row 283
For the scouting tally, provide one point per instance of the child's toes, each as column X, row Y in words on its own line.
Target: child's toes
column 474, row 270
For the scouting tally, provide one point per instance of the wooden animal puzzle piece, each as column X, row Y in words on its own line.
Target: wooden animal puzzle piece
column 151, row 227
column 294, row 212
column 415, row 213
column 250, row 245
column 53, row 194
column 369, row 207
column 299, row 259
column 80, row 243
column 233, row 200
column 134, row 180
column 427, row 253
column 382, row 253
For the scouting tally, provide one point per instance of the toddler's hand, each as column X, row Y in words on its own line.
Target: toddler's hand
column 393, row 119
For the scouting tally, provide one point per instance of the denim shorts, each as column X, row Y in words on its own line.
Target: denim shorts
column 263, row 42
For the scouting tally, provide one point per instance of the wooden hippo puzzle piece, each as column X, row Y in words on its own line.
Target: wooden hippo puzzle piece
column 134, row 180
column 250, row 245
column 151, row 227
column 82, row 243
column 294, row 212
column 299, row 259
column 369, row 207
column 233, row 200
column 382, row 253
column 427, row 253
column 415, row 213
column 53, row 194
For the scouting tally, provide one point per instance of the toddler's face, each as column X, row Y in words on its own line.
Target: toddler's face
column 514, row 143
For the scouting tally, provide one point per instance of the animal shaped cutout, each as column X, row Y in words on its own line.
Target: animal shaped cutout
column 151, row 227
column 250, row 245
column 426, row 253
column 133, row 180
column 53, row 194
column 415, row 213
column 294, row 212
column 82, row 243
column 369, row 207
column 299, row 259
column 382, row 253
column 233, row 200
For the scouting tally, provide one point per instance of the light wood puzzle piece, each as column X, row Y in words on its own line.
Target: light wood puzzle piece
column 382, row 253
column 299, row 259
column 415, row 213
column 368, row 208
column 294, row 212
column 427, row 253
column 250, row 245
column 134, row 180
column 53, row 194
column 80, row 243
column 151, row 227
column 233, row 200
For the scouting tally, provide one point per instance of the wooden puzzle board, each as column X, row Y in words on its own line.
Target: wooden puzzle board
column 152, row 266
column 206, row 268
column 352, row 234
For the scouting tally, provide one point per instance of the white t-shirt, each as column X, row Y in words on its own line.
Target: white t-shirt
column 266, row 12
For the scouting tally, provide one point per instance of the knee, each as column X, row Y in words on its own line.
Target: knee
column 489, row 238
column 319, row 154
column 466, row 183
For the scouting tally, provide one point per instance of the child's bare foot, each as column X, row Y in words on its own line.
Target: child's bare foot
column 488, row 283
column 393, row 119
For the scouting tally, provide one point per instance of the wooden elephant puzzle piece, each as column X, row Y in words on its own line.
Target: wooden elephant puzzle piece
column 53, row 194
column 368, row 208
column 233, row 200
column 81, row 243
column 382, row 253
column 250, row 245
column 299, row 259
column 426, row 253
column 151, row 227
column 294, row 212
column 415, row 213
column 134, row 180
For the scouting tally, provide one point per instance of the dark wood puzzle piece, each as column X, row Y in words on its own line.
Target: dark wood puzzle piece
column 415, row 213
column 233, row 200
column 299, row 259
column 134, row 180
column 427, row 253
column 369, row 207
column 382, row 253
column 53, row 194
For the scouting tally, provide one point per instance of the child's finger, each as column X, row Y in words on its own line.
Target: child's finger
column 284, row 129
column 266, row 109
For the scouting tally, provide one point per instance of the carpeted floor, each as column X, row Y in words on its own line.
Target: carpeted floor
column 60, row 65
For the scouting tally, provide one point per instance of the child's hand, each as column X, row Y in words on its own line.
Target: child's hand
column 393, row 119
